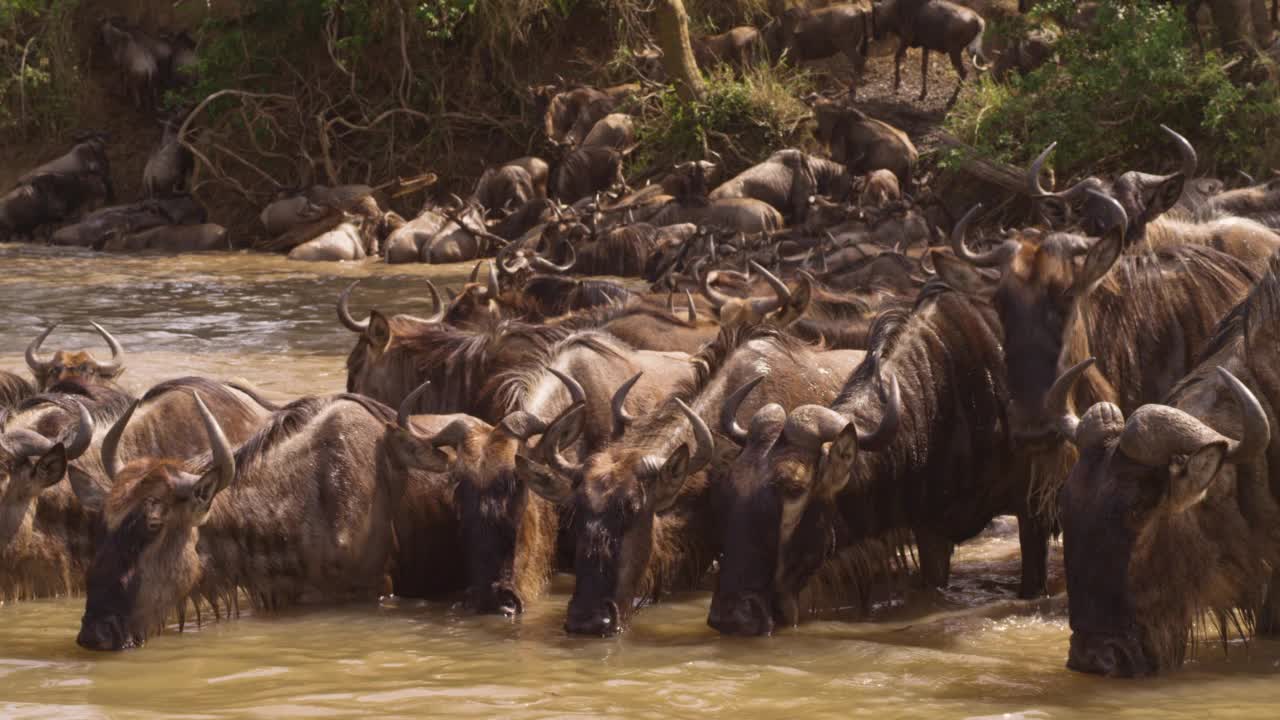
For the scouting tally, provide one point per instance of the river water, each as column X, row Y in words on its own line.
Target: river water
column 972, row 651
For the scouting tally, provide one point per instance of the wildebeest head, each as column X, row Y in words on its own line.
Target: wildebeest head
column 147, row 564
column 1144, row 513
column 1143, row 196
column 31, row 462
column 375, row 352
column 491, row 501
column 1043, row 278
column 786, row 303
column 74, row 365
column 779, row 505
column 476, row 302
column 615, row 497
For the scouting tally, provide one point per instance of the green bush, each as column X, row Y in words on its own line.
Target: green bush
column 744, row 119
column 39, row 72
column 1114, row 86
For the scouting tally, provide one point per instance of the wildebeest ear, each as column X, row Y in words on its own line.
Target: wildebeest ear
column 1189, row 480
column 1103, row 254
column 542, row 480
column 411, row 453
column 88, row 492
column 959, row 275
column 205, row 490
column 1163, row 195
column 50, row 467
column 837, row 461
column 798, row 305
column 379, row 331
column 670, row 479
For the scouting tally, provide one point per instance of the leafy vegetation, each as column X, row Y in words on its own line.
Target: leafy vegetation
column 39, row 72
column 1115, row 84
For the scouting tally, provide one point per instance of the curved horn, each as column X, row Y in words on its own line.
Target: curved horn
column 38, row 366
column 111, row 442
column 1116, row 215
column 117, row 352
column 576, row 393
column 1253, row 421
column 437, row 309
column 693, row 311
column 223, row 457
column 991, row 258
column 704, row 442
column 1033, row 172
column 621, row 418
column 779, row 288
column 877, row 439
column 550, row 444
column 1186, row 151
column 491, row 284
column 1066, row 422
column 546, row 265
column 83, row 434
column 729, row 411
column 475, row 272
column 406, row 405
column 1247, row 177
column 344, row 311
column 810, row 426
column 717, row 298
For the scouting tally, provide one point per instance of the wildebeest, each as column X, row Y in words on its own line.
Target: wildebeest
column 58, row 190
column 13, row 390
column 510, row 534
column 169, row 166
column 916, row 440
column 585, row 171
column 936, row 25
column 78, row 365
column 57, row 523
column 568, row 115
column 786, row 180
column 737, row 47
column 512, row 184
column 200, row 531
column 347, row 241
column 1260, row 201
column 1024, row 54
column 641, row 519
column 864, row 144
column 170, row 238
column 823, row 32
column 1171, row 513
column 137, row 65
column 615, row 130
column 94, row 230
column 737, row 215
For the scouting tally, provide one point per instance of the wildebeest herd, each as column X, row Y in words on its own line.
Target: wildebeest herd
column 801, row 403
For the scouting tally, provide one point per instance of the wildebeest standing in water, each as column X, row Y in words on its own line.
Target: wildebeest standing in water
column 511, row 534
column 642, row 520
column 79, row 365
column 51, row 544
column 916, row 441
column 1173, row 513
column 304, row 510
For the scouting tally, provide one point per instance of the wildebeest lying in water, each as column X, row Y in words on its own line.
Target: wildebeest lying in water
column 78, row 365
column 642, row 522
column 917, row 440
column 1172, row 513
column 50, row 543
column 203, row 530
column 511, row 534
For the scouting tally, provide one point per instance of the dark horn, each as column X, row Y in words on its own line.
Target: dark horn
column 111, row 442
column 475, row 272
column 693, row 311
column 779, row 288
column 1117, row 217
column 406, row 405
column 991, row 258
column 492, row 285
column 549, row 447
column 704, row 441
column 1033, row 173
column 546, row 265
column 1065, row 421
column 1186, row 151
column 437, row 309
column 1253, row 421
column 877, row 439
column 83, row 434
column 729, row 411
column 223, row 457
column 717, row 298
column 38, row 366
column 621, row 418
column 344, row 311
column 576, row 393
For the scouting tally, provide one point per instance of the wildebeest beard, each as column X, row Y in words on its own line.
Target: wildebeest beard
column 109, row 621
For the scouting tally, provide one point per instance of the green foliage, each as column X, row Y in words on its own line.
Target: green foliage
column 1114, row 86
column 744, row 119
column 39, row 74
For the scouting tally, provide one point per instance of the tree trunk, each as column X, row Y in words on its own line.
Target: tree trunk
column 1264, row 33
column 1242, row 23
column 677, row 52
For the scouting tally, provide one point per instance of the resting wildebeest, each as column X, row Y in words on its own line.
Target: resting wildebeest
column 59, row 189
column 615, row 130
column 73, row 365
column 642, row 523
column 50, row 545
column 586, row 171
column 510, row 535
column 170, row 238
column 569, row 115
column 170, row 164
column 1259, row 201
column 864, row 144
column 737, row 215
column 823, row 32
column 786, row 180
column 1171, row 514
column 915, row 441
column 94, row 230
column 199, row 531
column 737, row 47
column 512, row 184
column 935, row 25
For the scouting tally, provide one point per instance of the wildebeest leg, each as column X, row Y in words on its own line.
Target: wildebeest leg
column 924, row 72
column 1268, row 620
column 897, row 64
column 957, row 62
column 935, row 557
column 1033, row 542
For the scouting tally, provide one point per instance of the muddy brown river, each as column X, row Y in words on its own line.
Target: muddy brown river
column 971, row 651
